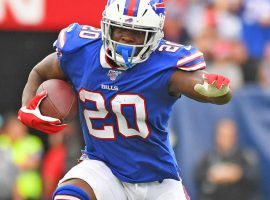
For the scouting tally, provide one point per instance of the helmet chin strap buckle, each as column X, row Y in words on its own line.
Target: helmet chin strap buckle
column 125, row 52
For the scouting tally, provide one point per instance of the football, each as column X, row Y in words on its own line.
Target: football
column 61, row 101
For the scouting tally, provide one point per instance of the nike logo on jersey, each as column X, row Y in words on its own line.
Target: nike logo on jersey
column 109, row 87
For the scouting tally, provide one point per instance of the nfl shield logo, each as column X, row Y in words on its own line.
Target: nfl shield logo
column 112, row 74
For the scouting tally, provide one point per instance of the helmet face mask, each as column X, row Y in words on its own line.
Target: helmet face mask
column 147, row 22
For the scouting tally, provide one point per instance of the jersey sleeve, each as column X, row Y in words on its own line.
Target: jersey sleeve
column 190, row 59
column 75, row 36
column 72, row 46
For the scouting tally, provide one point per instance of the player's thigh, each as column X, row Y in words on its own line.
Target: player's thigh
column 168, row 189
column 99, row 179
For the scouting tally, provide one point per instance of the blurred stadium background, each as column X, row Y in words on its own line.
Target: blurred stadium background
column 234, row 36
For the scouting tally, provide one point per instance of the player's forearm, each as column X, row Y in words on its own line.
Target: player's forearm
column 33, row 82
column 48, row 68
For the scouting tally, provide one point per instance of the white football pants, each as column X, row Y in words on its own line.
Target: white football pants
column 107, row 187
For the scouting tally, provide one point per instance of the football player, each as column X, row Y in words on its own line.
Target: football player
column 127, row 78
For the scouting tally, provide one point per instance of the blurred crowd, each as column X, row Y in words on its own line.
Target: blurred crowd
column 30, row 168
column 229, row 171
column 234, row 36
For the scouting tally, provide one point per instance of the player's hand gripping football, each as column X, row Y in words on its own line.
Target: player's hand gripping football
column 214, row 85
column 31, row 116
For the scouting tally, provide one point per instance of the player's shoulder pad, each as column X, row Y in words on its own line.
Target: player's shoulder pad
column 187, row 58
column 76, row 36
column 190, row 59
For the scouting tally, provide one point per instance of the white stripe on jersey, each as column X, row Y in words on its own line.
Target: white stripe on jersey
column 189, row 58
column 65, row 197
column 62, row 38
column 200, row 65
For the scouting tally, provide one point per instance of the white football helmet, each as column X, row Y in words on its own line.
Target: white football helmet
column 138, row 15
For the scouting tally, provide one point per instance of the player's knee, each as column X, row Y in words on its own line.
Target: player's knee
column 70, row 192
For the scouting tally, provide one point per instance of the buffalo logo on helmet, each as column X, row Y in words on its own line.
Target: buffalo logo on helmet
column 158, row 6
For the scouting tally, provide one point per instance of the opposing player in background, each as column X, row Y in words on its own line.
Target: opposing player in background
column 127, row 78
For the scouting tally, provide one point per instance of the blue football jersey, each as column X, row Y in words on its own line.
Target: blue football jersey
column 124, row 112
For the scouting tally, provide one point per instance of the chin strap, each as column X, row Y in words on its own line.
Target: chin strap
column 125, row 52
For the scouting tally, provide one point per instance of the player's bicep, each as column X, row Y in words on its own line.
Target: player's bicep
column 188, row 73
column 49, row 68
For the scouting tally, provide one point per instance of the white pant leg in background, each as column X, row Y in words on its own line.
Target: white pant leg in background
column 104, row 184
